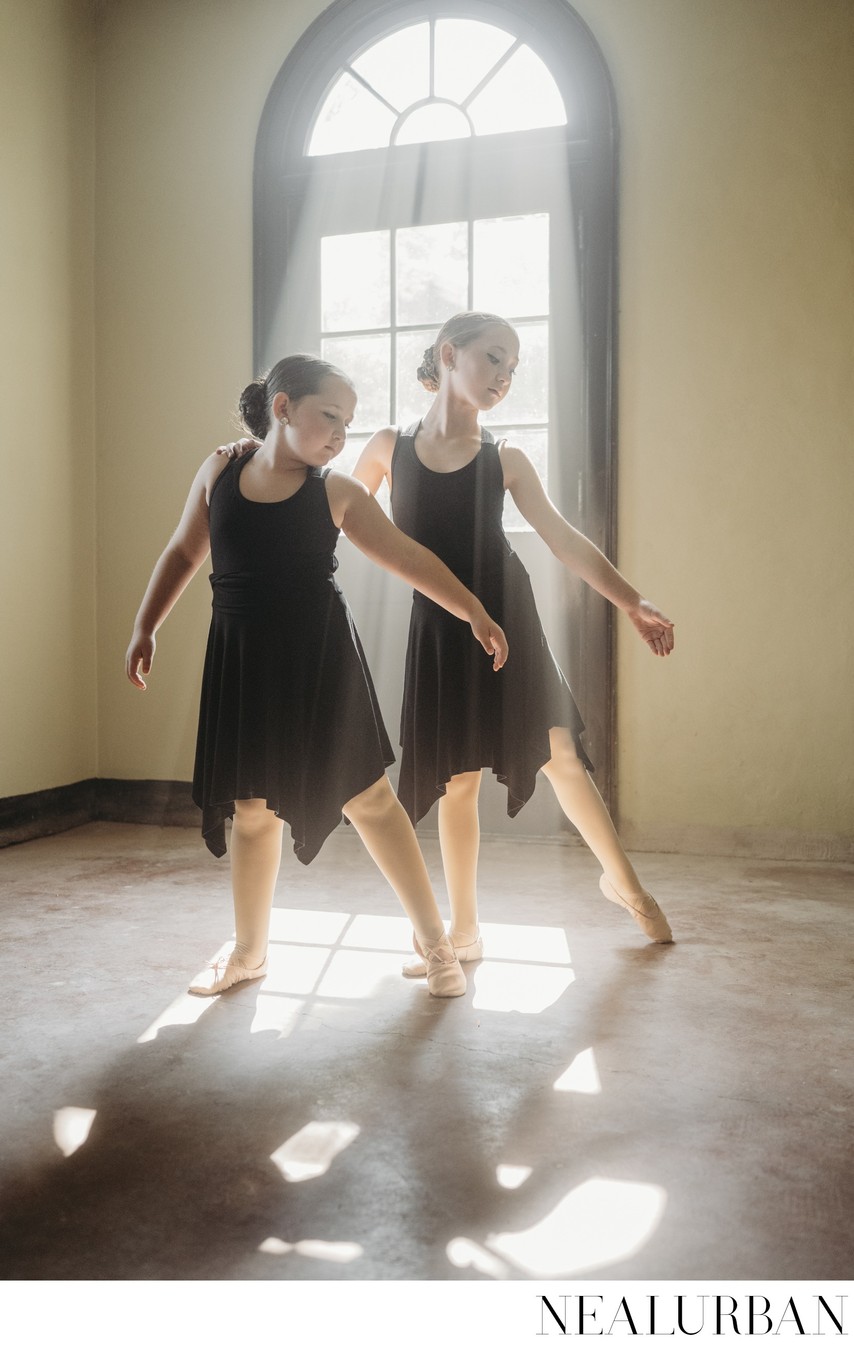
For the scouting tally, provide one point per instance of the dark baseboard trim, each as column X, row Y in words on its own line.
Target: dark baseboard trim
column 42, row 813
column 123, row 802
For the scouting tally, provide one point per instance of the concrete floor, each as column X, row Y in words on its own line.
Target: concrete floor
column 595, row 1106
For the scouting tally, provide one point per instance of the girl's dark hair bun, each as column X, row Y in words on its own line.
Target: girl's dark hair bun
column 427, row 374
column 252, row 408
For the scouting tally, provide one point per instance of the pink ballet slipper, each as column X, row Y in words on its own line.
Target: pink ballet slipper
column 224, row 973
column 644, row 910
column 466, row 954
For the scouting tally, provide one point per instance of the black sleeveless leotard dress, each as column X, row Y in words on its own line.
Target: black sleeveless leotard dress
column 288, row 710
column 458, row 713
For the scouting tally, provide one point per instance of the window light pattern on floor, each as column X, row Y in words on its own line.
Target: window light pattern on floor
column 71, row 1127
column 332, row 959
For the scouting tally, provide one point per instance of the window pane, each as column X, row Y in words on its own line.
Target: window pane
column 367, row 361
column 398, row 67
column 511, row 265
column 346, row 460
column 354, row 281
column 433, row 121
column 528, row 399
column 536, row 446
column 350, row 119
column 432, row 272
column 412, row 398
column 465, row 52
column 522, row 95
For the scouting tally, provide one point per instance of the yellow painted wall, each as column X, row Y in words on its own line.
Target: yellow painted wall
column 47, row 510
column 736, row 419
column 737, row 335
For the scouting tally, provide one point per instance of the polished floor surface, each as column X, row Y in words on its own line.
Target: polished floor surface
column 594, row 1106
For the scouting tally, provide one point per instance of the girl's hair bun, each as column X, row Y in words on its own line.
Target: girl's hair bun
column 427, row 374
column 252, row 408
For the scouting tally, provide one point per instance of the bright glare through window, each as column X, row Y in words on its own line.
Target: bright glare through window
column 473, row 79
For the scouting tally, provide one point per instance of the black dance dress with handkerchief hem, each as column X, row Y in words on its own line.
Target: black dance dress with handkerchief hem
column 289, row 714
column 459, row 715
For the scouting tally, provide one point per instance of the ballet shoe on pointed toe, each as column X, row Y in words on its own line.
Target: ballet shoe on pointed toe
column 644, row 910
column 466, row 954
column 445, row 977
column 225, row 973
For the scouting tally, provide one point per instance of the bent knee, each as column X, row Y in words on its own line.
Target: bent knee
column 372, row 805
column 564, row 759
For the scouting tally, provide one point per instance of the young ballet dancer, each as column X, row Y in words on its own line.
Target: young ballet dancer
column 448, row 478
column 289, row 725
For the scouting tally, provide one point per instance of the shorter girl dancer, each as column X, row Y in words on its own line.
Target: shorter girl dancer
column 447, row 480
column 289, row 725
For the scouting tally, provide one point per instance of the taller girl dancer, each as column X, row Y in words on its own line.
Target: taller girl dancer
column 448, row 478
column 289, row 726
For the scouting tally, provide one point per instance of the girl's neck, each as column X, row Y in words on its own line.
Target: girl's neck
column 450, row 420
column 274, row 454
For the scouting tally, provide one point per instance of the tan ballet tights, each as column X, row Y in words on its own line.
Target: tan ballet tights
column 580, row 801
column 256, row 852
column 384, row 827
column 578, row 797
column 459, row 839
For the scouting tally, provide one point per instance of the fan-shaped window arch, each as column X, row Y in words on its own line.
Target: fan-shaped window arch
column 442, row 79
column 412, row 162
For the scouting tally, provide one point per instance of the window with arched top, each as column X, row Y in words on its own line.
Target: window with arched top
column 416, row 159
column 442, row 79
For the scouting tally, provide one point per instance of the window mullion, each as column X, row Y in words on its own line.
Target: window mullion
column 392, row 376
column 490, row 74
column 354, row 74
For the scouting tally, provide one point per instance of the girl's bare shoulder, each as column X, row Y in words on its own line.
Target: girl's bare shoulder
column 210, row 471
column 381, row 444
column 514, row 461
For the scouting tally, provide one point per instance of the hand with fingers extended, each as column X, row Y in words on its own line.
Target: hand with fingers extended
column 235, row 449
column 652, row 626
column 140, row 652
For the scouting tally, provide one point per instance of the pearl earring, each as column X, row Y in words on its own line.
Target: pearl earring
column 283, row 420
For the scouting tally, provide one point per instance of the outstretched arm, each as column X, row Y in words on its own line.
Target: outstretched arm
column 578, row 553
column 356, row 512
column 178, row 563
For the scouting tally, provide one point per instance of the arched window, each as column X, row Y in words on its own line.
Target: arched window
column 415, row 160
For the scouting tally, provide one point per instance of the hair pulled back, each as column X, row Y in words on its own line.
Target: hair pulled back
column 461, row 330
column 297, row 376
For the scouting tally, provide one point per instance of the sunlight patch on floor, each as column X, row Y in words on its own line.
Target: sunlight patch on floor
column 294, row 970
column 599, row 1223
column 335, row 1252
column 334, row 957
column 311, row 1151
column 518, row 941
column 307, row 927
column 185, row 1010
column 525, row 988
column 512, row 1176
column 379, row 933
column 276, row 1013
column 353, row 973
column 582, row 1075
column 463, row 1253
column 71, row 1127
